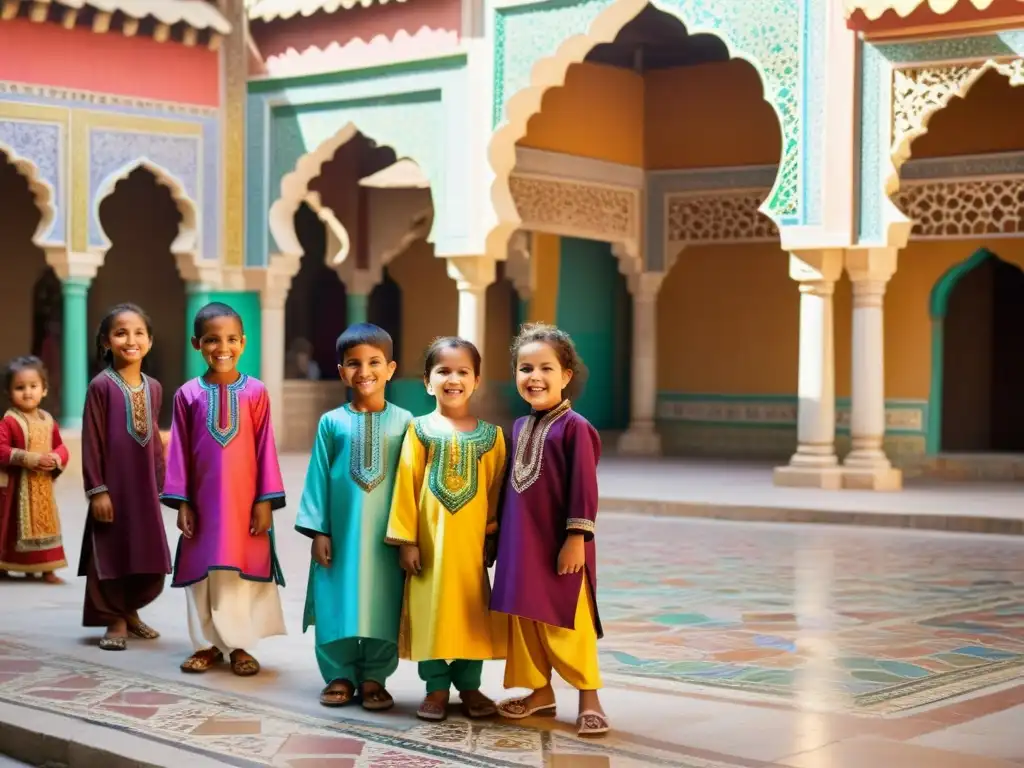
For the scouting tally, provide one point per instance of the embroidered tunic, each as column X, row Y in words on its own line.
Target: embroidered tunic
column 445, row 501
column 347, row 496
column 551, row 490
column 122, row 455
column 30, row 533
column 221, row 460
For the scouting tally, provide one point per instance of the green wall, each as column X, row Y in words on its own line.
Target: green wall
column 593, row 307
column 247, row 304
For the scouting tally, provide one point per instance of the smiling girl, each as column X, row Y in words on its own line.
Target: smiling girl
column 546, row 579
column 124, row 559
column 442, row 532
column 224, row 479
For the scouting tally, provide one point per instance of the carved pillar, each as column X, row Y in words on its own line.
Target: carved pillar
column 472, row 275
column 814, row 464
column 273, row 284
column 867, row 466
column 234, row 84
column 642, row 438
column 76, row 272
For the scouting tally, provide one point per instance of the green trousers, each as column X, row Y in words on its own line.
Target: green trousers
column 358, row 660
column 440, row 675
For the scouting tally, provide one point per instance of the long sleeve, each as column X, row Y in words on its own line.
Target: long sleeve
column 269, row 483
column 496, row 483
column 585, row 450
column 314, row 515
column 10, row 455
column 403, row 524
column 94, row 449
column 156, row 394
column 59, row 450
column 176, row 481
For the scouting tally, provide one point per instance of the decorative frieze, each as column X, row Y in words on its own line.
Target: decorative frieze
column 964, row 208
column 732, row 216
column 576, row 209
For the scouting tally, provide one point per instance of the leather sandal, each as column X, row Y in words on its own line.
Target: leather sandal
column 517, row 709
column 113, row 643
column 377, row 699
column 243, row 664
column 338, row 693
column 476, row 705
column 591, row 723
column 202, row 661
column 433, row 711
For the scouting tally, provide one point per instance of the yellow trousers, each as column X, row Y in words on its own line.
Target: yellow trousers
column 534, row 649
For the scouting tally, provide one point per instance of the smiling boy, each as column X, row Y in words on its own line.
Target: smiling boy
column 354, row 597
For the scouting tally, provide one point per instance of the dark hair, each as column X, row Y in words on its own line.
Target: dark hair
column 364, row 333
column 103, row 354
column 441, row 343
column 24, row 363
column 212, row 311
column 562, row 345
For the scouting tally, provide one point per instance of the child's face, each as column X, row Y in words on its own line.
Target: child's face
column 129, row 340
column 222, row 344
column 27, row 390
column 452, row 379
column 365, row 370
column 540, row 378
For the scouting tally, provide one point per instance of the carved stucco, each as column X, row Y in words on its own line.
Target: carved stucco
column 570, row 208
column 952, row 209
column 724, row 217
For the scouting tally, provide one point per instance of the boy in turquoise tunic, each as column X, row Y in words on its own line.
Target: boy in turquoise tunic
column 354, row 597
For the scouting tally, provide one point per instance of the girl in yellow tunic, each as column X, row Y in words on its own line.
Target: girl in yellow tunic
column 444, row 518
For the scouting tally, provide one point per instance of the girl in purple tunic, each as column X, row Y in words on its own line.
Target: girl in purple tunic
column 124, row 559
column 224, row 479
column 546, row 577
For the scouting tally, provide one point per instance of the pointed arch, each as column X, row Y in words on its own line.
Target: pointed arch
column 42, row 192
column 186, row 245
column 550, row 72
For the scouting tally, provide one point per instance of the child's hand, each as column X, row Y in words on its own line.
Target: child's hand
column 31, row 460
column 572, row 556
column 102, row 508
column 47, row 462
column 490, row 550
column 186, row 521
column 261, row 519
column 322, row 550
column 409, row 559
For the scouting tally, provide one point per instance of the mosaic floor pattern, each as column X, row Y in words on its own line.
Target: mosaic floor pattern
column 220, row 724
column 907, row 621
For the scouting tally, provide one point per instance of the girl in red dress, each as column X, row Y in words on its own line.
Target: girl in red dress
column 32, row 456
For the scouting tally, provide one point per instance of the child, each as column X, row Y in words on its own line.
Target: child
column 441, row 531
column 224, row 480
column 32, row 456
column 125, row 559
column 355, row 587
column 546, row 579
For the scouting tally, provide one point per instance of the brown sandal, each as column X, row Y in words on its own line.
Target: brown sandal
column 591, row 723
column 243, row 664
column 377, row 699
column 475, row 705
column 338, row 693
column 434, row 711
column 202, row 661
column 142, row 630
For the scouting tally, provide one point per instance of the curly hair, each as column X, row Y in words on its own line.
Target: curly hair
column 561, row 344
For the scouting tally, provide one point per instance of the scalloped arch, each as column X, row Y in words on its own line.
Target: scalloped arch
column 962, row 78
column 42, row 192
column 186, row 244
column 550, row 72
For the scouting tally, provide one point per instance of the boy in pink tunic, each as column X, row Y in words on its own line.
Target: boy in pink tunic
column 224, row 479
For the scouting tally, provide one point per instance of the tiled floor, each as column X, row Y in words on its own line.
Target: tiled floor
column 728, row 646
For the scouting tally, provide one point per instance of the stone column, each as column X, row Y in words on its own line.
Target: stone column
column 814, row 465
column 75, row 352
column 359, row 284
column 197, row 296
column 472, row 276
column 642, row 438
column 866, row 466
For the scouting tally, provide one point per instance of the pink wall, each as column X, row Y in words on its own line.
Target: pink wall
column 342, row 27
column 48, row 54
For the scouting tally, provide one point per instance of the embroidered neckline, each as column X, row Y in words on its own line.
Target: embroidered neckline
column 529, row 458
column 142, row 438
column 369, row 452
column 454, row 459
column 223, row 434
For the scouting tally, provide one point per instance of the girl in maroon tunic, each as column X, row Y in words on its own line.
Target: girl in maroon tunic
column 546, row 578
column 125, row 559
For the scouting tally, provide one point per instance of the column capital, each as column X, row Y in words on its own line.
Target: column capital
column 472, row 273
column 77, row 265
column 199, row 271
column 272, row 284
column 818, row 265
column 644, row 286
column 870, row 264
column 519, row 265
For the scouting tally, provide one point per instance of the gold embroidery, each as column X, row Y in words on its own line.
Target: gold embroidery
column 580, row 524
column 140, row 414
column 529, row 458
column 38, row 521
